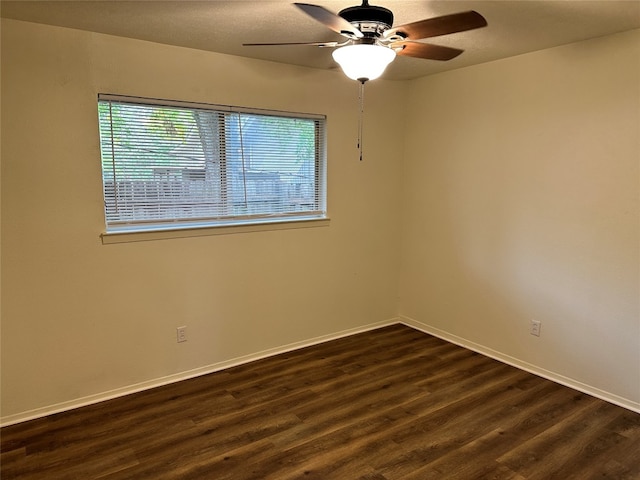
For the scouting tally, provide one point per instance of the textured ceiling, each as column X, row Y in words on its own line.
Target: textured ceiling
column 515, row 27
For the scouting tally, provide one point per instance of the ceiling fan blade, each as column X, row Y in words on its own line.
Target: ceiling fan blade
column 433, row 27
column 330, row 20
column 316, row 44
column 426, row 51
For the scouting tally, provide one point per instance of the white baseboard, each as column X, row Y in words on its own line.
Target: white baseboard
column 528, row 367
column 158, row 382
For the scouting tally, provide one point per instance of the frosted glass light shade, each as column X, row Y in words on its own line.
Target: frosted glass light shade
column 363, row 62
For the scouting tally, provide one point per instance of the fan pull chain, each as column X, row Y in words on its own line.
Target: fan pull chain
column 360, row 114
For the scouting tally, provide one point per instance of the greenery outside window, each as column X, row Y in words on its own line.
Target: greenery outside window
column 169, row 164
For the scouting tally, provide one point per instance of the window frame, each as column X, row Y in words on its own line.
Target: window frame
column 185, row 226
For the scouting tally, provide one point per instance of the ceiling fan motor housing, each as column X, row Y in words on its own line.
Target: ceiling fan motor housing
column 370, row 19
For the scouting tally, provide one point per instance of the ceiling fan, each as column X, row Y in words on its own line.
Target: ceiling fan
column 372, row 42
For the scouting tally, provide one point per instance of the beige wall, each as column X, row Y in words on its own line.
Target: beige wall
column 80, row 318
column 518, row 197
column 521, row 183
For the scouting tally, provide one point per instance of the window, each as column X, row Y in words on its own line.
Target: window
column 169, row 164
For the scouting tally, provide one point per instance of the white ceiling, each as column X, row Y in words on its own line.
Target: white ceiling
column 515, row 26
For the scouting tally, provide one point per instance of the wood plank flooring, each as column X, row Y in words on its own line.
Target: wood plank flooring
column 389, row 404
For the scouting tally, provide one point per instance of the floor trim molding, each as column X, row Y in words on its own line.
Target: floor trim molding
column 177, row 377
column 410, row 322
column 527, row 367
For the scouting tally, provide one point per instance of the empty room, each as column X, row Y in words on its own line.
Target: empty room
column 227, row 259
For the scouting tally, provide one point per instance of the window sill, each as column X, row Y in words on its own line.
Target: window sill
column 187, row 232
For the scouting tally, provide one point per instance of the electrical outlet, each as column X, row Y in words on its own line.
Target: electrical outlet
column 534, row 328
column 181, row 334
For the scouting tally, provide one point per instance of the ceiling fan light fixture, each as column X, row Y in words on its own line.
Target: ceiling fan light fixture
column 363, row 62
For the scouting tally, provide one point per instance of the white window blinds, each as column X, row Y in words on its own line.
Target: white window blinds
column 168, row 164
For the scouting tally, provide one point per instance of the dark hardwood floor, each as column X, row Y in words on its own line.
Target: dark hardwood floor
column 393, row 403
